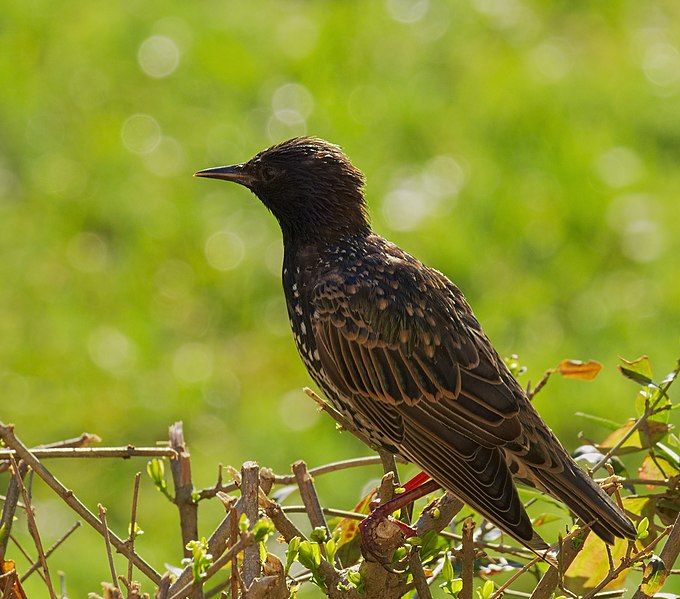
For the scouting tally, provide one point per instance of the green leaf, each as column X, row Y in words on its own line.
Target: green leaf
column 447, row 568
column 653, row 398
column 433, row 545
column 639, row 370
column 643, row 529
column 486, row 591
column 200, row 559
column 356, row 579
column 331, row 549
column 155, row 468
column 606, row 422
column 318, row 535
column 292, row 553
column 263, row 529
column 514, row 366
column 546, row 518
column 310, row 555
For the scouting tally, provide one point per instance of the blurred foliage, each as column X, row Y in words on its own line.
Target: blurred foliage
column 528, row 149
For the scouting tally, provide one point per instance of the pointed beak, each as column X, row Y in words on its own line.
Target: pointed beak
column 236, row 173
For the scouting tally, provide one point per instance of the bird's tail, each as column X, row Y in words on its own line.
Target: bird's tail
column 587, row 500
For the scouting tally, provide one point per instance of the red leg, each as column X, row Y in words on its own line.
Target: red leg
column 417, row 487
column 416, row 481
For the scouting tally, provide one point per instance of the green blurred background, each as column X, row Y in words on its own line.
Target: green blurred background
column 528, row 149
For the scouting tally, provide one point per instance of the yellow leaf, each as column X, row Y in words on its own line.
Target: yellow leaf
column 591, row 565
column 638, row 440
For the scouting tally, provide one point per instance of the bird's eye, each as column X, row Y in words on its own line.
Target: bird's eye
column 268, row 173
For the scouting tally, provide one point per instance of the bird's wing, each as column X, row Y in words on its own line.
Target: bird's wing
column 408, row 338
column 403, row 345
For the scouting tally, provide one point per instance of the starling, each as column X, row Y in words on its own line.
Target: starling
column 396, row 348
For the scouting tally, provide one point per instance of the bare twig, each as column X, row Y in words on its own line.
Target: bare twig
column 7, row 434
column 33, row 527
column 626, row 562
column 289, row 531
column 83, row 441
column 133, row 523
column 309, row 497
column 468, row 559
column 551, row 579
column 288, row 479
column 35, row 566
column 184, row 488
column 338, row 417
column 217, row 544
column 419, row 578
column 107, row 539
column 250, row 482
column 127, row 452
column 51, row 550
column 11, row 503
column 500, row 590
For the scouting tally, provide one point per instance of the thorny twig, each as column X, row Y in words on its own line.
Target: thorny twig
column 35, row 565
column 107, row 539
column 7, row 434
column 133, row 523
column 33, row 527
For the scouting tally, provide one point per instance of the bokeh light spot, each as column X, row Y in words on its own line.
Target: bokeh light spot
column 407, row 11
column 193, row 363
column 641, row 235
column 661, row 64
column 292, row 102
column 297, row 412
column 430, row 192
column 158, row 56
column 618, row 167
column 224, row 250
column 111, row 350
column 167, row 159
column 141, row 134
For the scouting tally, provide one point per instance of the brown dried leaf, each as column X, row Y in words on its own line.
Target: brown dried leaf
column 13, row 588
column 575, row 369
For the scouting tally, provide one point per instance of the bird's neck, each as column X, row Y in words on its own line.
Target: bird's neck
column 322, row 249
column 322, row 234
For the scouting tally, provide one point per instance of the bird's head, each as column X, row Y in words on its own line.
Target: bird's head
column 309, row 185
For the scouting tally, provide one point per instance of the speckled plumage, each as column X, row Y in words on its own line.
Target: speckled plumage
column 396, row 348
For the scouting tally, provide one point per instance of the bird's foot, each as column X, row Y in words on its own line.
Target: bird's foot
column 381, row 534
